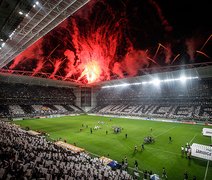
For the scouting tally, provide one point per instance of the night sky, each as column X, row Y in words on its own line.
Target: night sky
column 188, row 18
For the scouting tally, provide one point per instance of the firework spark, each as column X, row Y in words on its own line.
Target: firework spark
column 205, row 42
column 177, row 56
column 200, row 52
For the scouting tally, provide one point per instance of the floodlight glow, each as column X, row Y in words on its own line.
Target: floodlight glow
column 1, row 40
column 37, row 2
column 34, row 6
column 2, row 44
column 118, row 85
column 183, row 79
column 20, row 13
column 135, row 83
column 168, row 80
column 156, row 82
column 11, row 34
column 27, row 15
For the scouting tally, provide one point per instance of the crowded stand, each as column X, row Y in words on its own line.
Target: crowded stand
column 23, row 100
column 26, row 156
column 190, row 101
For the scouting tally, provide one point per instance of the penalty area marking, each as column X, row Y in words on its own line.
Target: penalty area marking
column 157, row 149
column 206, row 171
column 193, row 138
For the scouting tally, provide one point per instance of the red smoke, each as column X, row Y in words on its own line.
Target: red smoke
column 168, row 54
column 32, row 52
column 164, row 21
column 56, row 68
column 192, row 45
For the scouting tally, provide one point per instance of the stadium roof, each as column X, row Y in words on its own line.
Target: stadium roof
column 200, row 72
column 14, row 78
column 24, row 22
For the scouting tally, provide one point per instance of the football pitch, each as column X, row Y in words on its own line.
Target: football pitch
column 155, row 156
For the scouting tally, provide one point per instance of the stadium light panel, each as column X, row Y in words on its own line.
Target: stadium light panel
column 118, row 85
column 156, row 82
column 183, row 79
column 136, row 83
column 144, row 82
column 167, row 80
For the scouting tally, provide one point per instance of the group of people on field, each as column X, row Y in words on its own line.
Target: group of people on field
column 186, row 150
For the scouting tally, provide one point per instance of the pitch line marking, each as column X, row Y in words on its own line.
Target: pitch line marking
column 193, row 138
column 162, row 150
column 166, row 131
column 206, row 171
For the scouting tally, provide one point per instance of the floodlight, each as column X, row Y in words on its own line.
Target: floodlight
column 183, row 79
column 37, row 2
column 156, row 82
column 168, row 80
column 34, row 6
column 2, row 44
column 125, row 84
column 135, row 83
column 21, row 13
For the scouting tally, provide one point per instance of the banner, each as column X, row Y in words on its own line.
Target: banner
column 201, row 151
column 207, row 132
column 69, row 146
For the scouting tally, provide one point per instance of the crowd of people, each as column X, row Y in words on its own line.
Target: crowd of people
column 191, row 101
column 37, row 93
column 179, row 112
column 20, row 100
column 25, row 156
column 15, row 111
column 24, row 100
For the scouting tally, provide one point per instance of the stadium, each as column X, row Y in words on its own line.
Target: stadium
column 104, row 89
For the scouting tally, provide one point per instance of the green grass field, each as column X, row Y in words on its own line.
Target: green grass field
column 154, row 157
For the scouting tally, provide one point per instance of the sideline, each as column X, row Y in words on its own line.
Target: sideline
column 193, row 138
column 206, row 171
column 163, row 150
